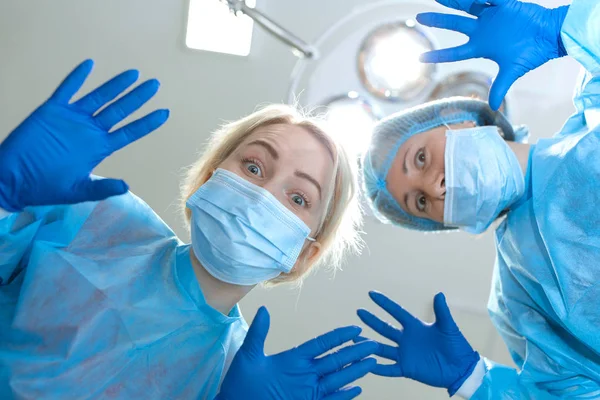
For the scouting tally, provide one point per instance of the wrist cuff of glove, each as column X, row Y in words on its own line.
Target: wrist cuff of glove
column 471, row 363
column 561, row 48
column 559, row 15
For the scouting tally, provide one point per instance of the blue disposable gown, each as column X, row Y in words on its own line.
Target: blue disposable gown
column 545, row 298
column 99, row 300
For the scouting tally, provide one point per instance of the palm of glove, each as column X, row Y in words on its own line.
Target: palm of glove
column 436, row 354
column 531, row 34
column 71, row 140
column 49, row 157
column 295, row 378
column 433, row 365
column 518, row 36
column 297, row 373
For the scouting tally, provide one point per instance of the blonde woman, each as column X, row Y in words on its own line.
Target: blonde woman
column 100, row 299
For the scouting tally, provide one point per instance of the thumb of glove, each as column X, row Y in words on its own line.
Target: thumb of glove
column 98, row 189
column 257, row 333
column 503, row 82
column 443, row 318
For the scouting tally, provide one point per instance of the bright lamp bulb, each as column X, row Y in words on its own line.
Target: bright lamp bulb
column 389, row 62
column 351, row 120
column 395, row 61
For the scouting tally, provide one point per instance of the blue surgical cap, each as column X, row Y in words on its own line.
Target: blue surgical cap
column 392, row 132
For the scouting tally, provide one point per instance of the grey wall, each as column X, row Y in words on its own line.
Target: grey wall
column 40, row 41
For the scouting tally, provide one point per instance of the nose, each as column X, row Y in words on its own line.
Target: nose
column 437, row 188
column 274, row 187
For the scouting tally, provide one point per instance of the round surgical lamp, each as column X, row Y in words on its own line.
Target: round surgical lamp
column 466, row 84
column 350, row 118
column 373, row 50
column 388, row 61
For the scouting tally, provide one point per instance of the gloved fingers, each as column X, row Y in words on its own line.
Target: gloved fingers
column 326, row 342
column 346, row 376
column 254, row 343
column 457, row 23
column 388, row 370
column 461, row 5
column 383, row 328
column 452, row 54
column 360, row 339
column 137, row 129
column 383, row 350
column 106, row 93
column 346, row 393
column 393, row 308
column 443, row 317
column 98, row 189
column 504, row 80
column 126, row 105
column 473, row 7
column 73, row 82
column 348, row 355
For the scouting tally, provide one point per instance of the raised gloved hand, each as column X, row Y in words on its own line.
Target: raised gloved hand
column 297, row 374
column 435, row 354
column 48, row 159
column 518, row 36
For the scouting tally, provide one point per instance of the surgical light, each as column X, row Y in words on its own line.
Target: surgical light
column 351, row 118
column 388, row 61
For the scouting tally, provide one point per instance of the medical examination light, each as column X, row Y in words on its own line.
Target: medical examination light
column 388, row 61
column 347, row 116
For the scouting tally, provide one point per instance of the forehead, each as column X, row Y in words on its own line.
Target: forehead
column 298, row 148
column 298, row 138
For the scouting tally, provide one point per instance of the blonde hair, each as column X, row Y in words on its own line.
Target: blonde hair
column 339, row 228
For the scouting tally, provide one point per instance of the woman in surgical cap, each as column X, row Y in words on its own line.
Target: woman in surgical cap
column 456, row 164
column 100, row 299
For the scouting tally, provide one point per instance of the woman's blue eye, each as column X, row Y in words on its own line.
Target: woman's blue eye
column 299, row 200
column 253, row 169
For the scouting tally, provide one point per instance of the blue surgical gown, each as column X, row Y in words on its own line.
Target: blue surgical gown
column 99, row 300
column 545, row 298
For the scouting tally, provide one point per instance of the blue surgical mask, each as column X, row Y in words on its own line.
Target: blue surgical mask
column 241, row 233
column 483, row 178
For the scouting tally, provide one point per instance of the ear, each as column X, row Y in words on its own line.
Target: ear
column 309, row 255
column 312, row 252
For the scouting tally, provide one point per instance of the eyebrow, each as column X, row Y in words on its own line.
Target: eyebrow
column 309, row 178
column 275, row 155
column 405, row 170
column 267, row 146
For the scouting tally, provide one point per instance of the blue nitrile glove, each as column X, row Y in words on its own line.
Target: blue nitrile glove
column 297, row 374
column 518, row 36
column 48, row 159
column 435, row 354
